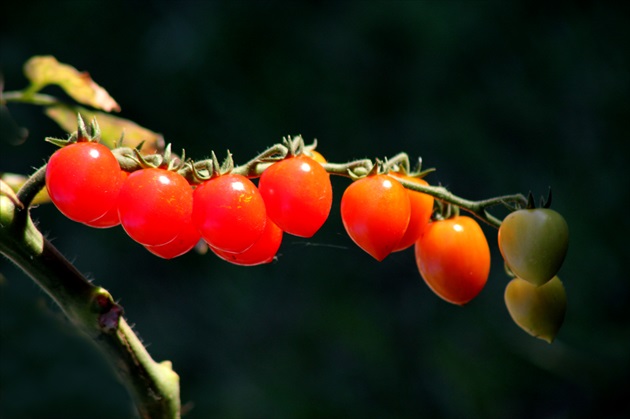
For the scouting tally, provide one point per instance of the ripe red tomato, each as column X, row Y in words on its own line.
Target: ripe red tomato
column 185, row 241
column 375, row 212
column 298, row 195
column 83, row 180
column 111, row 218
column 261, row 252
column 421, row 210
column 153, row 205
column 229, row 212
column 453, row 258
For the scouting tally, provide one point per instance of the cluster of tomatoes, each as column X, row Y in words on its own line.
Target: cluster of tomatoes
column 452, row 254
column 244, row 223
column 534, row 243
column 158, row 208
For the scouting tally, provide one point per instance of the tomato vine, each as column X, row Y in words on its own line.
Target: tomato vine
column 172, row 201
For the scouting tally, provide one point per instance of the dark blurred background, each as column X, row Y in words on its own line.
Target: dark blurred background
column 500, row 97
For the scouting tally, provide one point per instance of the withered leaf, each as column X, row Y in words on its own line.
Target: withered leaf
column 45, row 70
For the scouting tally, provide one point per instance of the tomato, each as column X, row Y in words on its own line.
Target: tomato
column 83, row 180
column 421, row 210
column 153, row 205
column 453, row 258
column 111, row 218
column 229, row 212
column 539, row 310
column 375, row 212
column 317, row 156
column 534, row 243
column 262, row 251
column 187, row 238
column 298, row 195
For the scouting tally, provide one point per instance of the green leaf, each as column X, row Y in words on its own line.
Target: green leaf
column 45, row 70
column 112, row 128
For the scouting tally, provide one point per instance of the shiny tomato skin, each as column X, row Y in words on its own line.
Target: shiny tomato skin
column 261, row 252
column 187, row 238
column 453, row 258
column 538, row 310
column 421, row 210
column 229, row 212
column 153, row 205
column 83, row 180
column 534, row 243
column 317, row 156
column 110, row 218
column 375, row 212
column 298, row 195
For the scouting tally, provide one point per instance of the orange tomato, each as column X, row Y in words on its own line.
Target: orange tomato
column 453, row 258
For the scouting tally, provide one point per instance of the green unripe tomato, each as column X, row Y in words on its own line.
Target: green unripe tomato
column 533, row 243
column 539, row 310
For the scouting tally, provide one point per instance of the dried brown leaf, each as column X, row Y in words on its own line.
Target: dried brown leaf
column 45, row 70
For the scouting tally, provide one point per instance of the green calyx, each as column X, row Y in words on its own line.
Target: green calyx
column 400, row 164
column 201, row 171
column 82, row 134
column 544, row 203
column 132, row 159
column 295, row 146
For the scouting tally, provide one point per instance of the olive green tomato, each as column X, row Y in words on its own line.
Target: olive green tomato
column 533, row 243
column 539, row 310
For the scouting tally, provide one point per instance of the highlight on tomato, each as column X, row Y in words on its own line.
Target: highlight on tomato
column 421, row 206
column 261, row 252
column 375, row 212
column 83, row 180
column 298, row 195
column 153, row 204
column 534, row 243
column 453, row 258
column 229, row 212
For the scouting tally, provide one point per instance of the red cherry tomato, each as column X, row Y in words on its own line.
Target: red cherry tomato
column 261, row 252
column 111, row 218
column 375, row 212
column 187, row 238
column 83, row 180
column 421, row 210
column 453, row 258
column 153, row 205
column 229, row 212
column 298, row 195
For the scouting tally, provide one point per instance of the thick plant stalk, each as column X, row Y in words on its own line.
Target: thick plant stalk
column 153, row 386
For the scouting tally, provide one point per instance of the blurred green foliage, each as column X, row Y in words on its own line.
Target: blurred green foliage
column 501, row 97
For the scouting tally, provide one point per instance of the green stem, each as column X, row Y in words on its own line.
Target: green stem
column 32, row 186
column 154, row 386
column 30, row 97
column 477, row 208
